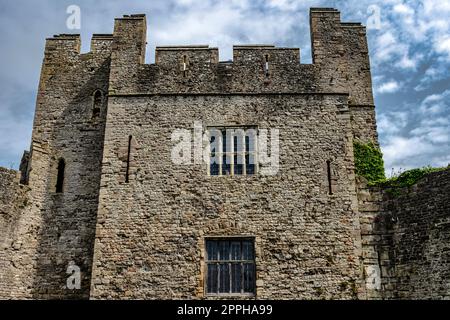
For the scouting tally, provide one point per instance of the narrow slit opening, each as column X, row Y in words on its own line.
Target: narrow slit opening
column 330, row 189
column 98, row 101
column 266, row 66
column 127, row 174
column 60, row 177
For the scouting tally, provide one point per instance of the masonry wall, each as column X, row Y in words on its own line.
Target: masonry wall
column 406, row 237
column 65, row 127
column 150, row 231
column 15, row 233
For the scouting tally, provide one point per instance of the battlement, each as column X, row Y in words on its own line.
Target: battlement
column 63, row 43
column 254, row 67
column 139, row 16
column 185, row 55
column 267, row 54
column 101, row 42
column 70, row 44
column 318, row 9
column 339, row 54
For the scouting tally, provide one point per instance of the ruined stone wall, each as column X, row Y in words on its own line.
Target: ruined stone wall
column 406, row 237
column 15, row 254
column 151, row 231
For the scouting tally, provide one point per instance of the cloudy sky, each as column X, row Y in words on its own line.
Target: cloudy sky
column 409, row 48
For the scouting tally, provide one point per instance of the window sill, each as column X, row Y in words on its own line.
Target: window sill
column 237, row 176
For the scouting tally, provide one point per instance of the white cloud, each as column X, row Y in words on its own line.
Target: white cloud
column 403, row 9
column 408, row 63
column 436, row 72
column 391, row 51
column 434, row 134
column 392, row 122
column 400, row 148
column 442, row 45
column 388, row 87
column 417, row 136
column 436, row 103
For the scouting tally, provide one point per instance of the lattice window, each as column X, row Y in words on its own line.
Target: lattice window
column 233, row 151
column 230, row 266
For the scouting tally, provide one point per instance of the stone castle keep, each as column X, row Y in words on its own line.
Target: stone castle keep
column 99, row 191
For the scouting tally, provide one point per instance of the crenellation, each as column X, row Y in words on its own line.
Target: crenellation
column 63, row 44
column 101, row 43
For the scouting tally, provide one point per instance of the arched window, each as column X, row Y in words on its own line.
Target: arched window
column 60, row 177
column 98, row 102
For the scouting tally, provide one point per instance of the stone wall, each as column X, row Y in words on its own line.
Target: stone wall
column 150, row 231
column 406, row 237
column 15, row 254
column 67, row 127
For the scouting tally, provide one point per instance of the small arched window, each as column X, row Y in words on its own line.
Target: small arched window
column 60, row 177
column 98, row 102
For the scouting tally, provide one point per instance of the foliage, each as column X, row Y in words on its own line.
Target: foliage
column 410, row 177
column 369, row 162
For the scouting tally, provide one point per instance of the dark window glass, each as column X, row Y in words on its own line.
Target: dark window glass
column 226, row 165
column 236, row 277
column 214, row 169
column 214, row 162
column 247, row 144
column 250, row 164
column 224, row 281
column 230, row 266
column 224, row 141
column 238, row 166
column 212, row 274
